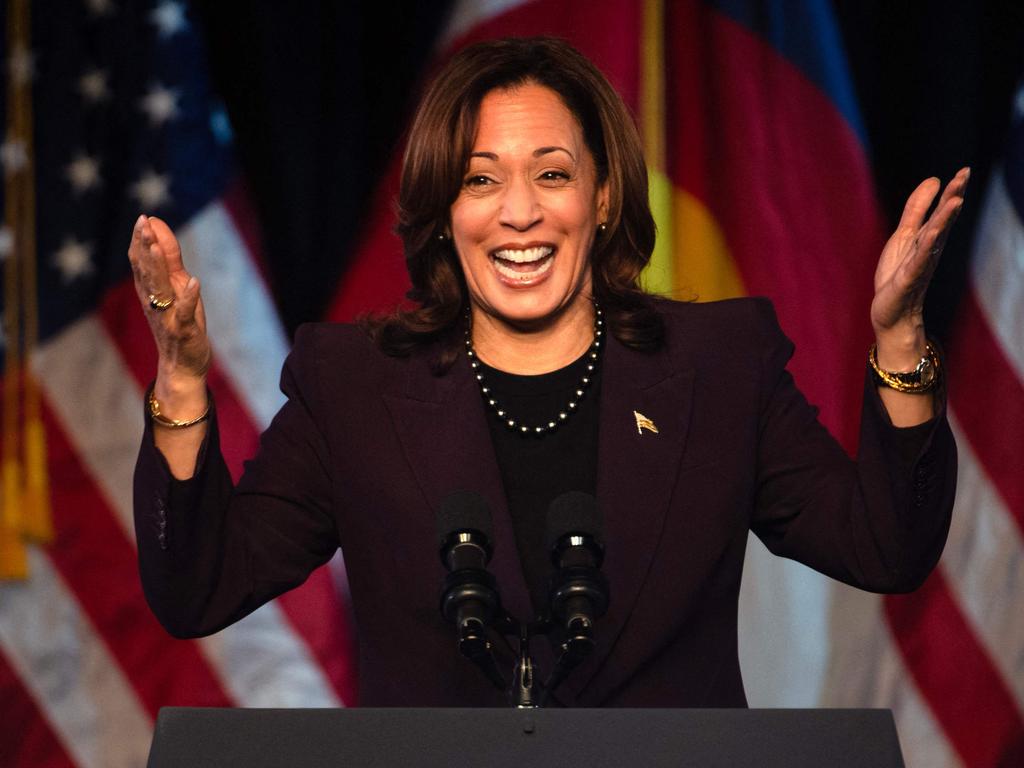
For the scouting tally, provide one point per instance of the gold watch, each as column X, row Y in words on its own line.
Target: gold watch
column 916, row 382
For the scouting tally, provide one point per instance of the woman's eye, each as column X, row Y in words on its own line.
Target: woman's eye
column 554, row 176
column 478, row 181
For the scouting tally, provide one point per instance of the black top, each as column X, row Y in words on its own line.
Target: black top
column 535, row 469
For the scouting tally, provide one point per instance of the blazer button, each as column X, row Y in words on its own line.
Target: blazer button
column 161, row 521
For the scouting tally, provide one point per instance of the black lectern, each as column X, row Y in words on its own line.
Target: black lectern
column 316, row 738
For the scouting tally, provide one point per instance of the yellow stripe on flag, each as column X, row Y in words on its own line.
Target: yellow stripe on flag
column 704, row 268
column 659, row 275
column 690, row 259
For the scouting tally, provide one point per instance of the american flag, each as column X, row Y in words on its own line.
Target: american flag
column 109, row 114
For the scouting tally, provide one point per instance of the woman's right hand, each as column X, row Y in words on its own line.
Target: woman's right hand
column 179, row 330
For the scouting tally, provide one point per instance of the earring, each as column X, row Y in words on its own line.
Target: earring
column 442, row 237
column 602, row 227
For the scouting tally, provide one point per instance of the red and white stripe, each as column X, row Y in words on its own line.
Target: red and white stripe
column 81, row 656
column 949, row 659
column 90, row 708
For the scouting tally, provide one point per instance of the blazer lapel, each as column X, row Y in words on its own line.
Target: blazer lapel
column 637, row 469
column 441, row 423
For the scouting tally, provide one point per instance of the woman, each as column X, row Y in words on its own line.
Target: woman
column 523, row 212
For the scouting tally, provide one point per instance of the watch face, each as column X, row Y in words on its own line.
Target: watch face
column 926, row 371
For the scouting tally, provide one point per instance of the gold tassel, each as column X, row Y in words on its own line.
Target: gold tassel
column 36, row 522
column 24, row 486
column 13, row 554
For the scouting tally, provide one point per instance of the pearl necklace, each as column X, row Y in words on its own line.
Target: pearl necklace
column 515, row 425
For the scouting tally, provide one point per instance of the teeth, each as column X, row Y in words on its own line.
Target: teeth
column 525, row 255
column 519, row 275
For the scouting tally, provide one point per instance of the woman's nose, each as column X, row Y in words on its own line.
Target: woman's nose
column 520, row 208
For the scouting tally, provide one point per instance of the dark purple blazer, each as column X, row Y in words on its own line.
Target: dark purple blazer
column 367, row 446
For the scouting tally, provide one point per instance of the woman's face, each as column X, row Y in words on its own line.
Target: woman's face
column 526, row 217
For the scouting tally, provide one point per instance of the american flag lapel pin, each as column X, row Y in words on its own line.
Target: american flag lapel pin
column 642, row 423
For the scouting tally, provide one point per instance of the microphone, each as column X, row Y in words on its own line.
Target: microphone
column 469, row 597
column 578, row 590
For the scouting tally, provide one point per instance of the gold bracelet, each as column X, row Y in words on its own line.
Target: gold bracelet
column 163, row 421
column 919, row 381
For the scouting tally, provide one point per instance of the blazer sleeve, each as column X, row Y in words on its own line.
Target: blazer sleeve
column 878, row 522
column 211, row 552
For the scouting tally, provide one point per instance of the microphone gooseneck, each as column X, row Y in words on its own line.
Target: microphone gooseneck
column 578, row 590
column 469, row 597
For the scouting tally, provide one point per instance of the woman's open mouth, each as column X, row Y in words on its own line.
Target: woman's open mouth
column 522, row 266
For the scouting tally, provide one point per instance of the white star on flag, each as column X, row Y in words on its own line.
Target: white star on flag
column 93, row 86
column 13, row 155
column 152, row 190
column 169, row 18
column 161, row 104
column 84, row 173
column 74, row 260
column 21, row 65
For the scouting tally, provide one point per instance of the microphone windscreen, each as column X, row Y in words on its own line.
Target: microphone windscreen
column 463, row 511
column 572, row 513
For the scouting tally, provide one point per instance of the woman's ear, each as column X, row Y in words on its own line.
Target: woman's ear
column 602, row 203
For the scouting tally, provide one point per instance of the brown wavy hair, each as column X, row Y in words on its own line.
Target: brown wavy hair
column 440, row 142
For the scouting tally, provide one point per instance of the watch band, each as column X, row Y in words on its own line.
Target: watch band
column 916, row 382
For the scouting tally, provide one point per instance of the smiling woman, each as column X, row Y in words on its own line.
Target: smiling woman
column 522, row 228
column 532, row 369
column 517, row 132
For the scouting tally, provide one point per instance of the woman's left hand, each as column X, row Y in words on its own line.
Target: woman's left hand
column 906, row 266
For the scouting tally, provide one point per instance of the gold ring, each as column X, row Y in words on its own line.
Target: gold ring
column 159, row 304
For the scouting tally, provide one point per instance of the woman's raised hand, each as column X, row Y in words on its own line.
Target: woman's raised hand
column 906, row 266
column 170, row 298
column 901, row 281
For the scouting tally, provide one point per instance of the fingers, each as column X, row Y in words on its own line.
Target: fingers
column 931, row 236
column 153, row 265
column 186, row 307
column 168, row 244
column 912, row 253
column 155, row 257
column 918, row 203
column 936, row 229
column 920, row 199
column 956, row 188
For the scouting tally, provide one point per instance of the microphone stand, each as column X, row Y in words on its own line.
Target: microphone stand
column 524, row 682
column 575, row 649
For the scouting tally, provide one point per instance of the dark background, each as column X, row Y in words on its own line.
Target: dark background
column 319, row 92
